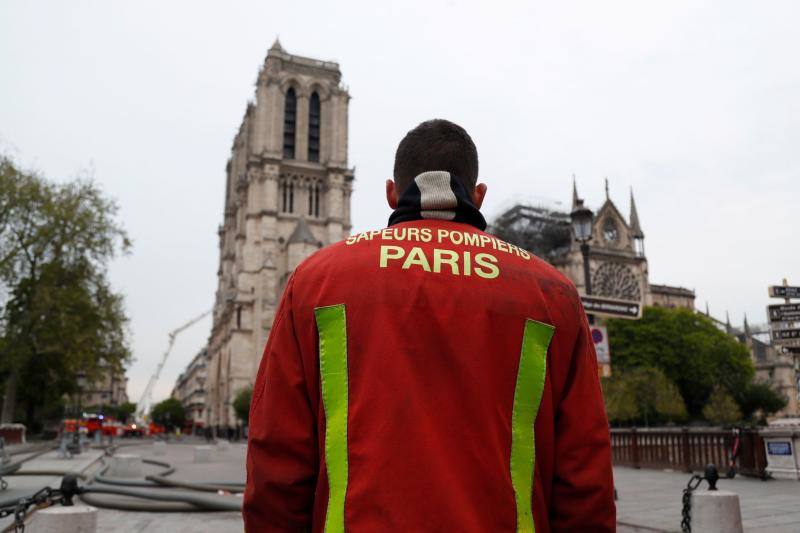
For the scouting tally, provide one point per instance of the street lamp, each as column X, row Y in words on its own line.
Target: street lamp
column 582, row 218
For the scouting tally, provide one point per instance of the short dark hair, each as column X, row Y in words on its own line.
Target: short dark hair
column 436, row 145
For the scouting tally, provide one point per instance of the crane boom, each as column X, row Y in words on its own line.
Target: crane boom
column 143, row 406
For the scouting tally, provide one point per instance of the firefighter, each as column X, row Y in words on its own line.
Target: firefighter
column 429, row 376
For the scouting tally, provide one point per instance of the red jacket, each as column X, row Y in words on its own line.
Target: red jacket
column 400, row 382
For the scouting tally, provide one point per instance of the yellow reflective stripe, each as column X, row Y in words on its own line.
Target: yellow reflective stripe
column 332, row 328
column 527, row 397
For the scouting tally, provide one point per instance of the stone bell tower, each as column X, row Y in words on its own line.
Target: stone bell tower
column 287, row 194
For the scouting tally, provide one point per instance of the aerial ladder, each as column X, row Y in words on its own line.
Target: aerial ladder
column 143, row 407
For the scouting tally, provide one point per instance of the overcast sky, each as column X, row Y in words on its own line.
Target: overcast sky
column 693, row 104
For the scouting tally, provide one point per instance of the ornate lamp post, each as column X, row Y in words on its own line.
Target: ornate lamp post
column 582, row 218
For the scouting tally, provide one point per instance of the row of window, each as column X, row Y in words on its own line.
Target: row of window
column 286, row 191
column 290, row 123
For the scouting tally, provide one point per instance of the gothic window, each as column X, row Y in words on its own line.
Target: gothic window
column 616, row 280
column 287, row 195
column 313, row 127
column 313, row 199
column 289, row 121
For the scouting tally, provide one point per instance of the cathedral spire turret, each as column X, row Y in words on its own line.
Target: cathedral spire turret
column 276, row 46
column 636, row 228
column 747, row 331
column 574, row 193
column 728, row 327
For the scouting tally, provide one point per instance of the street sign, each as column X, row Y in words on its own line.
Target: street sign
column 790, row 350
column 784, row 291
column 611, row 307
column 783, row 312
column 600, row 339
column 785, row 334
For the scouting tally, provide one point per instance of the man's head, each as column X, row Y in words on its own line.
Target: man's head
column 435, row 145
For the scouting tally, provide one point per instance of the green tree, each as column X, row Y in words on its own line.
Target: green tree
column 58, row 315
column 761, row 399
column 721, row 408
column 620, row 398
column 687, row 347
column 645, row 395
column 241, row 404
column 169, row 413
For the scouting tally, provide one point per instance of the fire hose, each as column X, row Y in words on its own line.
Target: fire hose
column 171, row 495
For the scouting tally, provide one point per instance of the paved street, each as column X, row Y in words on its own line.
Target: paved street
column 226, row 465
column 651, row 500
column 23, row 486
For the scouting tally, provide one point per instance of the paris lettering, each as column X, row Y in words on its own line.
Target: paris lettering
column 458, row 263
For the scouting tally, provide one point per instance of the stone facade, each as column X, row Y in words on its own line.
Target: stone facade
column 287, row 194
column 110, row 389
column 617, row 261
column 190, row 390
column 668, row 296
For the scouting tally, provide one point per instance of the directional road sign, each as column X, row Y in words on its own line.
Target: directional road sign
column 784, row 291
column 784, row 313
column 611, row 307
column 785, row 334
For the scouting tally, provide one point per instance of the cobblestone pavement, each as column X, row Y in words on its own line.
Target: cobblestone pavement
column 650, row 500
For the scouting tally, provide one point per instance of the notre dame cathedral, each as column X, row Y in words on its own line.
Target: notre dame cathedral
column 287, row 194
column 617, row 261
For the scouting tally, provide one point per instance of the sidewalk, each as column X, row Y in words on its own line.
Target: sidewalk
column 226, row 465
column 651, row 500
column 23, row 486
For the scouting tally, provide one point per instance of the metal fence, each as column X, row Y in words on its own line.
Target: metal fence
column 688, row 449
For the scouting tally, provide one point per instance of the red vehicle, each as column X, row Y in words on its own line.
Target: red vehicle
column 91, row 423
column 134, row 430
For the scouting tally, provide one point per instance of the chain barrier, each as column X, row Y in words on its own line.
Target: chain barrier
column 39, row 500
column 711, row 476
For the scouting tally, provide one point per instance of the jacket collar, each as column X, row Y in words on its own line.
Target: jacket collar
column 437, row 195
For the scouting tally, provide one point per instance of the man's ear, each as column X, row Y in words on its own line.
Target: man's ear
column 478, row 194
column 391, row 194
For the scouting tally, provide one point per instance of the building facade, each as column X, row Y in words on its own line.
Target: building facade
column 287, row 194
column 190, row 390
column 772, row 365
column 617, row 260
column 110, row 389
